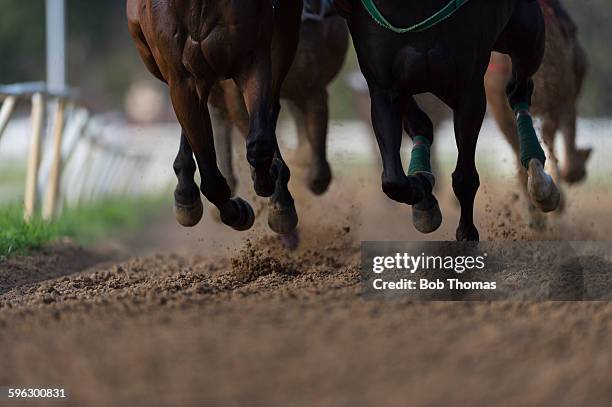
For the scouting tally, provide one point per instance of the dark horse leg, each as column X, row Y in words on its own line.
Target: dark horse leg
column 187, row 202
column 468, row 116
column 426, row 215
column 192, row 113
column 524, row 39
column 414, row 189
column 261, row 85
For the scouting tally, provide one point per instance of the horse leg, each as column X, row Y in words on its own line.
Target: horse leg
column 188, row 207
column 468, row 117
column 223, row 130
column 301, row 155
column 504, row 117
column 282, row 216
column 426, row 215
column 316, row 114
column 192, row 113
column 410, row 190
column 574, row 169
column 523, row 39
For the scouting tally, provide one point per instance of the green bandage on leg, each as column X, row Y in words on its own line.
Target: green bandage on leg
column 420, row 156
column 528, row 140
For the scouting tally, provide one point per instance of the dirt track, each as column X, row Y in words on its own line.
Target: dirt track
column 224, row 322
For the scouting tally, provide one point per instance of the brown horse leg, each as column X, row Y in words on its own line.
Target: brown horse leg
column 192, row 113
column 574, row 169
column 316, row 113
column 222, row 130
column 301, row 155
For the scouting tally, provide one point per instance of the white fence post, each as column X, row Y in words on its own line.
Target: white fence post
column 5, row 113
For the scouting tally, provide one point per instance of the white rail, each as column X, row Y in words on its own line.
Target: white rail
column 80, row 163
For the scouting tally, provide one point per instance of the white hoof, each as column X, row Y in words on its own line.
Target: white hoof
column 541, row 187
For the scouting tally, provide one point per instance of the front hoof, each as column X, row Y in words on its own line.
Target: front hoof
column 469, row 234
column 189, row 215
column 246, row 216
column 318, row 179
column 542, row 189
column 282, row 220
column 427, row 220
column 263, row 184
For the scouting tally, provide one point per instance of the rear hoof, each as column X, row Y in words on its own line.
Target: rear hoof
column 427, row 220
column 246, row 216
column 469, row 234
column 189, row 215
column 542, row 189
column 282, row 220
column 318, row 180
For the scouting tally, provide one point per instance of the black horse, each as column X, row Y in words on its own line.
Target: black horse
column 448, row 56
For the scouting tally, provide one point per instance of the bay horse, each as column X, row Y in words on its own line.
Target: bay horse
column 191, row 45
column 445, row 49
column 319, row 58
column 557, row 86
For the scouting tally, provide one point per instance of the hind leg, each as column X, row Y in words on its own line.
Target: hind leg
column 414, row 189
column 192, row 113
column 426, row 215
column 523, row 39
column 223, row 129
column 314, row 114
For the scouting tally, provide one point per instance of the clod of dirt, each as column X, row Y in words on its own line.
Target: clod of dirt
column 256, row 260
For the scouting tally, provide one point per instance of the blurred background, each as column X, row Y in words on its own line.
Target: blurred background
column 130, row 127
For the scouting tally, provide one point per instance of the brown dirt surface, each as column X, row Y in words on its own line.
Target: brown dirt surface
column 207, row 317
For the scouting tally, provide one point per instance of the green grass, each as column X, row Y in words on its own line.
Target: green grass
column 85, row 224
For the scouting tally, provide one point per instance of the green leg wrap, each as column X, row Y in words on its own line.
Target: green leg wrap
column 420, row 156
column 528, row 140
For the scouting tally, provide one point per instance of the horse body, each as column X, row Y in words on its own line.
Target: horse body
column 191, row 45
column 450, row 61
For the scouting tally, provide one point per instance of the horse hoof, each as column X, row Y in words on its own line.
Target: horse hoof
column 290, row 241
column 541, row 187
column 189, row 215
column 282, row 220
column 427, row 220
column 246, row 216
column 469, row 234
column 319, row 182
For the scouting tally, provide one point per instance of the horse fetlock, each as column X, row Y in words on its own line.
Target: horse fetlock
column 542, row 189
column 238, row 214
column 406, row 190
column 260, row 151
